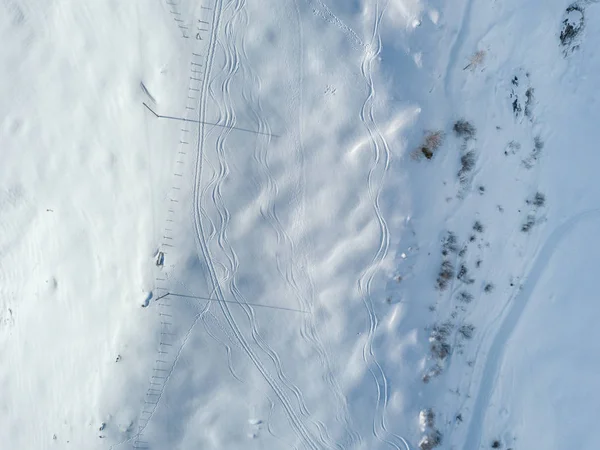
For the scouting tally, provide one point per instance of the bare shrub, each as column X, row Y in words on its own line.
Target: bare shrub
column 440, row 348
column 463, row 275
column 512, row 148
column 538, row 146
column 465, row 297
column 431, row 373
column 467, row 331
column 427, row 419
column 445, row 274
column 478, row 226
column 431, row 440
column 441, row 331
column 431, row 143
column 476, row 60
column 434, row 139
column 528, row 225
column 539, row 199
column 528, row 101
column 449, row 243
column 488, row 288
column 464, row 129
column 467, row 164
column 572, row 26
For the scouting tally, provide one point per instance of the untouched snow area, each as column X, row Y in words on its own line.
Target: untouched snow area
column 299, row 224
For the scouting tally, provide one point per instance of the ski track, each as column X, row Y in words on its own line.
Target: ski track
column 375, row 181
column 298, row 426
column 219, row 341
column 232, row 63
column 286, row 265
column 457, row 45
column 270, row 430
column 515, row 310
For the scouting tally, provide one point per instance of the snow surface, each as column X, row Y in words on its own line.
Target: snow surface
column 266, row 278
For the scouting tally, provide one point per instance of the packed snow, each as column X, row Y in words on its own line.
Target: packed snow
column 303, row 224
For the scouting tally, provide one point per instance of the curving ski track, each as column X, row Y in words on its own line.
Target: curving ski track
column 375, row 182
column 515, row 310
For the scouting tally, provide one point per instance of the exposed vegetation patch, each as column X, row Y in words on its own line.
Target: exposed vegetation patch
column 432, row 141
column 529, row 223
column 432, row 437
column 431, row 441
column 465, row 297
column 512, row 148
column 463, row 275
column 432, row 373
column 467, row 164
column 476, row 60
column 478, row 227
column 464, row 129
column 445, row 275
column 466, row 331
column 449, row 243
column 529, row 99
column 538, row 200
column 535, row 154
column 521, row 95
column 571, row 28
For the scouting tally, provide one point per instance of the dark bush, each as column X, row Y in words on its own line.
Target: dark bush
column 449, row 244
column 539, row 199
column 465, row 297
column 428, row 153
column 431, row 441
column 463, row 275
column 464, row 129
column 467, row 164
column 528, row 225
column 445, row 274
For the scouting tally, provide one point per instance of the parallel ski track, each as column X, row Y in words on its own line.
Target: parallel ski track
column 240, row 61
column 376, row 179
column 296, row 423
column 286, row 261
column 232, row 64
